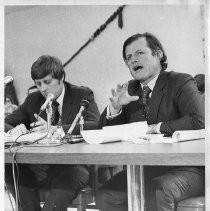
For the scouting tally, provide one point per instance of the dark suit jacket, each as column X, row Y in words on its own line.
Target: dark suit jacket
column 175, row 102
column 71, row 105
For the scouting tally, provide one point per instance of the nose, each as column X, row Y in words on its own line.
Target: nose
column 134, row 59
column 43, row 87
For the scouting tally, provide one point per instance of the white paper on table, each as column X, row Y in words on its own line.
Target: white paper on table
column 182, row 135
column 115, row 133
column 29, row 137
column 99, row 136
column 128, row 131
column 186, row 135
column 148, row 138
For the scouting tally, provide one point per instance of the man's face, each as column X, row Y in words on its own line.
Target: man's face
column 48, row 85
column 142, row 64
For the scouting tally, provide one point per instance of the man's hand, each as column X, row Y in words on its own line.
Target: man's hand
column 120, row 97
column 40, row 125
column 18, row 130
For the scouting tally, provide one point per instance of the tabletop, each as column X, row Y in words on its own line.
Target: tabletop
column 117, row 153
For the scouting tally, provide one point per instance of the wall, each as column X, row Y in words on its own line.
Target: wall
column 62, row 30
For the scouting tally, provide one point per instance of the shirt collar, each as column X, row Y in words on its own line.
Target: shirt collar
column 152, row 83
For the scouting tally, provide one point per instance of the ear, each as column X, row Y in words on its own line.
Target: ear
column 159, row 54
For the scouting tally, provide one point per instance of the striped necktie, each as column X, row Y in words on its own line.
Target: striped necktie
column 145, row 96
column 56, row 117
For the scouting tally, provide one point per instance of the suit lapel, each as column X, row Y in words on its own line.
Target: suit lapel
column 67, row 104
column 156, row 98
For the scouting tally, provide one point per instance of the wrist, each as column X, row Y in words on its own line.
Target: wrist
column 114, row 110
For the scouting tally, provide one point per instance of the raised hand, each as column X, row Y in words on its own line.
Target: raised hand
column 120, row 97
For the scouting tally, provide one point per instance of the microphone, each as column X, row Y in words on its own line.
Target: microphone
column 83, row 105
column 49, row 98
column 8, row 80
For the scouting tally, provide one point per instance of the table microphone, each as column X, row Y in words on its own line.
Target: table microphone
column 49, row 98
column 83, row 105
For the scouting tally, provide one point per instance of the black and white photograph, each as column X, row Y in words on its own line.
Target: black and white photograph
column 106, row 105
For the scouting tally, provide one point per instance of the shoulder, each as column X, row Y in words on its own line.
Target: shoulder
column 77, row 89
column 178, row 77
column 34, row 98
column 78, row 92
column 175, row 82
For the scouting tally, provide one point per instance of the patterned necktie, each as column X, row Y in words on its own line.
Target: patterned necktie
column 56, row 118
column 145, row 96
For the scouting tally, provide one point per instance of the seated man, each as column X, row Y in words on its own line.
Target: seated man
column 63, row 181
column 200, row 80
column 168, row 101
column 10, row 99
column 9, row 106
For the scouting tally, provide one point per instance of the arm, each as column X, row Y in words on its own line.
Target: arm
column 115, row 113
column 17, row 117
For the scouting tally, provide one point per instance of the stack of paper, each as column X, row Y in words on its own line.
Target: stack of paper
column 136, row 133
column 115, row 133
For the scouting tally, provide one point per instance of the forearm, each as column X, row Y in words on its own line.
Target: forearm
column 107, row 121
column 185, row 123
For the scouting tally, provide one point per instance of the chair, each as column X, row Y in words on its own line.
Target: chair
column 192, row 204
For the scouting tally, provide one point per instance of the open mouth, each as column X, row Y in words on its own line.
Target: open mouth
column 137, row 68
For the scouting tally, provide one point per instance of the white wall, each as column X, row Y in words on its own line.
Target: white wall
column 62, row 30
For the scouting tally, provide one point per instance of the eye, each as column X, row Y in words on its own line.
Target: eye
column 47, row 81
column 38, row 83
column 140, row 52
column 128, row 58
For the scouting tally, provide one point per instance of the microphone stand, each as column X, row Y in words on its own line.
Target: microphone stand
column 49, row 116
column 76, row 120
column 81, row 123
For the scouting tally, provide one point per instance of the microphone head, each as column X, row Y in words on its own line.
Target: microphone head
column 85, row 103
column 8, row 79
column 50, row 96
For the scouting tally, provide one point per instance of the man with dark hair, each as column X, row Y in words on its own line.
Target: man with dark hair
column 168, row 101
column 200, row 80
column 63, row 181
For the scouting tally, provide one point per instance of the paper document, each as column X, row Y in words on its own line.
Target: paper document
column 98, row 136
column 186, row 135
column 115, row 133
column 29, row 137
column 128, row 131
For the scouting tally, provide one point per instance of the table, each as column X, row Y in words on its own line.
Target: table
column 135, row 156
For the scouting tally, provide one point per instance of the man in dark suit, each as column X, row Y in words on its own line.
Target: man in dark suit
column 168, row 101
column 63, row 181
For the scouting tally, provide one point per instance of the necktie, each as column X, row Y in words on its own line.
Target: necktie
column 56, row 118
column 145, row 96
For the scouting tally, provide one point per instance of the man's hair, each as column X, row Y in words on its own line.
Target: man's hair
column 46, row 65
column 200, row 80
column 152, row 42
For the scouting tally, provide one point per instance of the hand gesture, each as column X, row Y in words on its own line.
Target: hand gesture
column 40, row 125
column 120, row 97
